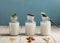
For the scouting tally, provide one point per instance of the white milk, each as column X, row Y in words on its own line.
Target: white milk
column 30, row 28
column 14, row 28
column 45, row 27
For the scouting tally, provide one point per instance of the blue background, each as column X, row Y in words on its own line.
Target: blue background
column 23, row 7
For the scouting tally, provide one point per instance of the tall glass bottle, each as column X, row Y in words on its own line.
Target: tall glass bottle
column 45, row 25
column 30, row 25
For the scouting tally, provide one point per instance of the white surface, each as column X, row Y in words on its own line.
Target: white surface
column 5, row 30
column 7, row 39
column 37, row 40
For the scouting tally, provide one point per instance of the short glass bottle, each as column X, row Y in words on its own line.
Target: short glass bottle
column 30, row 25
column 14, row 26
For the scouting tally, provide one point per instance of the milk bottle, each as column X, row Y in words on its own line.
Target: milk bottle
column 30, row 25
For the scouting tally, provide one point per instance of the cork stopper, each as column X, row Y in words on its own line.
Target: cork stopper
column 43, row 14
column 30, row 15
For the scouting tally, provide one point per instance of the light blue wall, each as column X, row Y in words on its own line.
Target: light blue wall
column 23, row 7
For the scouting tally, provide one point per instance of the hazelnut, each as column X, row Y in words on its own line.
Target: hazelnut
column 30, row 39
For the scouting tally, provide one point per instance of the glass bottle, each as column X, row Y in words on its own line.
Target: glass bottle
column 45, row 25
column 30, row 25
column 14, row 25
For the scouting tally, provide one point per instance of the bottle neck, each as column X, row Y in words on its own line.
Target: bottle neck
column 14, row 19
column 30, row 18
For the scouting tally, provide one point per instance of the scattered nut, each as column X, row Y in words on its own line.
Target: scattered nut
column 30, row 39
